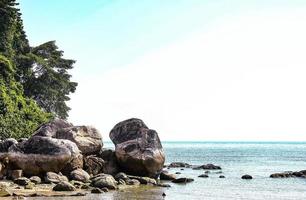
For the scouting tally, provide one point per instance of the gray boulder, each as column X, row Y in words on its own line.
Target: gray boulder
column 80, row 175
column 52, row 177
column 138, row 148
column 39, row 155
column 64, row 186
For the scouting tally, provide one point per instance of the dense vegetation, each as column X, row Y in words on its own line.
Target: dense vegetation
column 34, row 81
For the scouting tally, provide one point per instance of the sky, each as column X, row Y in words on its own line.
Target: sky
column 196, row 70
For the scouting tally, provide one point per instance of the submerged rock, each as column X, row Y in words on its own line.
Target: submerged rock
column 247, row 177
column 203, row 176
column 207, row 167
column 138, row 148
column 179, row 164
column 182, row 180
column 287, row 174
column 143, row 180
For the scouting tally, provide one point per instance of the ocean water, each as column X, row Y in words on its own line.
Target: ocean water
column 258, row 159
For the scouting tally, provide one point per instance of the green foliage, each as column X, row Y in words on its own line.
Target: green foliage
column 48, row 81
column 19, row 116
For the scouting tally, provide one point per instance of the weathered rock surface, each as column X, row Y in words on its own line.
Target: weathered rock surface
column 52, row 177
column 39, row 155
column 49, row 129
column 122, row 176
column 79, row 175
column 93, row 164
column 104, row 180
column 246, row 176
column 64, row 186
column 164, row 175
column 5, row 145
column 182, row 180
column 87, row 138
column 138, row 148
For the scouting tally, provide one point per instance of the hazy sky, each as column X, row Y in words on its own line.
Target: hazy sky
column 192, row 69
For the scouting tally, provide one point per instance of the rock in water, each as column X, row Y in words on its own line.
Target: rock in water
column 39, row 155
column 87, row 138
column 138, row 148
column 246, row 176
column 164, row 175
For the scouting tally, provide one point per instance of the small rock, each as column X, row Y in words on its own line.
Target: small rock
column 163, row 194
column 163, row 185
column 182, row 180
column 35, row 179
column 104, row 180
column 121, row 175
column 178, row 173
column 96, row 191
column 52, row 177
column 132, row 182
column 144, row 180
column 64, row 186
column 80, row 175
column 247, row 177
column 22, row 181
column 207, row 166
column 203, row 176
column 221, row 176
column 164, row 175
column 179, row 164
column 85, row 187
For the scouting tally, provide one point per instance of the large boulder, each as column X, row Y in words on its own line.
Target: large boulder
column 138, row 148
column 39, row 155
column 87, row 138
column 93, row 164
column 49, row 129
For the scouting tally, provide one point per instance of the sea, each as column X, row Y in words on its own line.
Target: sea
column 258, row 159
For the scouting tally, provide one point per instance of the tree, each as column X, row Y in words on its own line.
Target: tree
column 19, row 116
column 49, row 81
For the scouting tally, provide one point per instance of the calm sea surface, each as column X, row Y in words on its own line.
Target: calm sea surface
column 237, row 158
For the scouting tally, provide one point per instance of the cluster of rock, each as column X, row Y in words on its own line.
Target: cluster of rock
column 288, row 174
column 72, row 157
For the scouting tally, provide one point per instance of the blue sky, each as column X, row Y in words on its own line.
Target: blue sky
column 179, row 62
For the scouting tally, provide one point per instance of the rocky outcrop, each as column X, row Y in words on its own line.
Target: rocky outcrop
column 138, row 148
column 39, row 155
column 87, row 138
